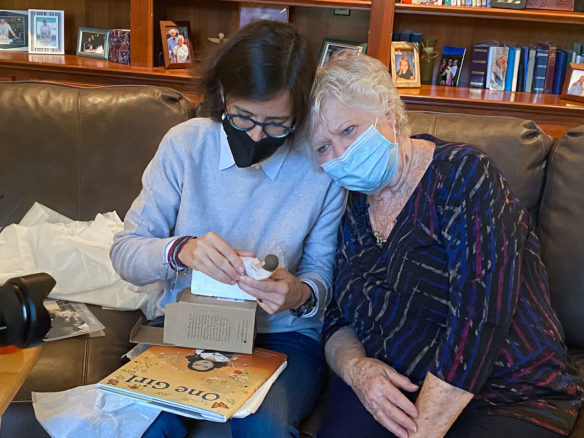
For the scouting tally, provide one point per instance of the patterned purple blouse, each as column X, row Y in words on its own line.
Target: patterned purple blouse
column 459, row 290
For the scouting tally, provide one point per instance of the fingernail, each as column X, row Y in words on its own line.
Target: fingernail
column 241, row 269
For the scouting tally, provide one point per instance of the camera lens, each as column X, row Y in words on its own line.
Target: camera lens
column 24, row 321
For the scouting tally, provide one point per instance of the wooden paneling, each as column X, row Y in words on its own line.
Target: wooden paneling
column 380, row 29
column 142, row 33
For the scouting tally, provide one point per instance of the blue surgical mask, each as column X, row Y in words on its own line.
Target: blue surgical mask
column 368, row 165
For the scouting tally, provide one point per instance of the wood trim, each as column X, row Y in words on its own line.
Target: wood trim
column 380, row 29
column 352, row 4
column 142, row 33
column 536, row 15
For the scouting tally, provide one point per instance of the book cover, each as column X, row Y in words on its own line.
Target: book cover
column 539, row 73
column 195, row 383
column 450, row 65
column 498, row 68
column 559, row 72
column 478, row 65
column 119, row 46
column 510, row 69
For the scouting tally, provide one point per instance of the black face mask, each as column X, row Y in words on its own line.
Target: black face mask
column 247, row 152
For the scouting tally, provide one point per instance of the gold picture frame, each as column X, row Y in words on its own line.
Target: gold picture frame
column 405, row 64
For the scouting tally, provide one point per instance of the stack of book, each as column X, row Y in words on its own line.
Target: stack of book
column 539, row 69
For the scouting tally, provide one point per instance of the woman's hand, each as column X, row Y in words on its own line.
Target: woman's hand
column 282, row 291
column 379, row 387
column 211, row 255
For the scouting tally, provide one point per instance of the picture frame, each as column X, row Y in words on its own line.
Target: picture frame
column 250, row 12
column 178, row 49
column 46, row 31
column 331, row 45
column 405, row 64
column 450, row 65
column 574, row 83
column 93, row 43
column 508, row 4
column 13, row 30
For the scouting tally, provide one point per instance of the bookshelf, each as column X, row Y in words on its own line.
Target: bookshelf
column 370, row 20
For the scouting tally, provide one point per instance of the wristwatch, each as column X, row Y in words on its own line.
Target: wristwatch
column 307, row 307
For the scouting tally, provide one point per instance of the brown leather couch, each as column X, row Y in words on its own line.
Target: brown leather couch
column 82, row 151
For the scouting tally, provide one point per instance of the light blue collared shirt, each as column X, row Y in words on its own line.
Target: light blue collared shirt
column 285, row 205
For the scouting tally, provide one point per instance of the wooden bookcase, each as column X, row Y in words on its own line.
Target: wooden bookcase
column 370, row 20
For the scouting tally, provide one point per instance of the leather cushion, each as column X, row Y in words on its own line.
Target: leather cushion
column 561, row 232
column 80, row 151
column 518, row 147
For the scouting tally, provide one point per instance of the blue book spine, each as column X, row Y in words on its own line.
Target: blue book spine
column 540, row 69
column 559, row 72
column 510, row 68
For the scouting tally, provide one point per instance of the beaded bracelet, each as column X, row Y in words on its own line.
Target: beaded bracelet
column 173, row 261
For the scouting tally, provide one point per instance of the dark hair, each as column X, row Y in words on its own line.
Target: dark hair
column 257, row 62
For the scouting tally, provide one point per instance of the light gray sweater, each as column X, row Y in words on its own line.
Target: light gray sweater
column 192, row 186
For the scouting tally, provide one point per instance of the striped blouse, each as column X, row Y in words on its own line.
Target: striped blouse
column 458, row 290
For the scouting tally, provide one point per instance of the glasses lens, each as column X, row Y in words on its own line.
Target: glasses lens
column 241, row 123
column 276, row 130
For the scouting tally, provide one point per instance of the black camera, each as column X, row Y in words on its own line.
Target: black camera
column 24, row 321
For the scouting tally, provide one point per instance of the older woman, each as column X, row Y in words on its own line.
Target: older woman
column 440, row 321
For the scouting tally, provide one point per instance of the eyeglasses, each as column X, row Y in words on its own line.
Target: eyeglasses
column 246, row 123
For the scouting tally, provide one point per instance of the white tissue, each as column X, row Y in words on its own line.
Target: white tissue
column 202, row 284
column 86, row 412
column 76, row 254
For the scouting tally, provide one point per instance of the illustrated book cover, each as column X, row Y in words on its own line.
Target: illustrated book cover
column 199, row 384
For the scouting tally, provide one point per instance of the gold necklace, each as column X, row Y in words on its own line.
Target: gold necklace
column 379, row 239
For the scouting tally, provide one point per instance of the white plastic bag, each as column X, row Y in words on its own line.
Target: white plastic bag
column 76, row 254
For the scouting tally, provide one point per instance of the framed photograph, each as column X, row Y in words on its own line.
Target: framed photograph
column 450, row 65
column 249, row 12
column 176, row 44
column 93, row 42
column 46, row 31
column 574, row 83
column 508, row 4
column 14, row 30
column 405, row 64
column 330, row 46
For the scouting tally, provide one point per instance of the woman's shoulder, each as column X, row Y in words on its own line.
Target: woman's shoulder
column 190, row 133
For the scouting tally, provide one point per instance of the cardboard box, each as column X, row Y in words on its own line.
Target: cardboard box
column 202, row 322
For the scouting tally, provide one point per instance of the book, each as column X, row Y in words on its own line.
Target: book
column 450, row 65
column 199, row 384
column 521, row 70
column 478, row 65
column 559, row 72
column 498, row 67
column 539, row 73
column 510, row 69
column 516, row 65
column 550, row 66
column 70, row 319
column 530, row 71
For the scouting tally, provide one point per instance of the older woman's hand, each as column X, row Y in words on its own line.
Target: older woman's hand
column 282, row 291
column 379, row 387
column 211, row 255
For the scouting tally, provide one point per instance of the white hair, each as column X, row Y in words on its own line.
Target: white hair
column 356, row 81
